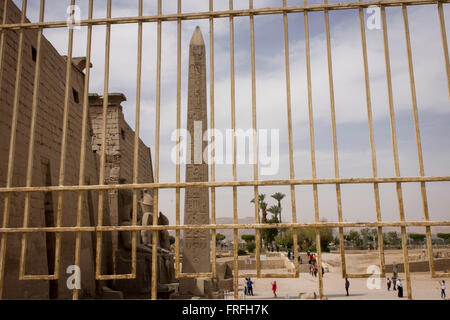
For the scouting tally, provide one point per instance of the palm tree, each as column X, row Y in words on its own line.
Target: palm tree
column 262, row 206
column 278, row 196
column 275, row 210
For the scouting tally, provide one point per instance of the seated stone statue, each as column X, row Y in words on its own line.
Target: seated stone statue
column 167, row 261
column 164, row 237
column 140, row 287
column 164, row 243
column 146, row 206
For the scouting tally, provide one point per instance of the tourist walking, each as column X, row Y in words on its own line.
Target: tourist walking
column 289, row 255
column 400, row 288
column 389, row 282
column 250, row 287
column 315, row 271
column 443, row 287
column 274, row 289
column 246, row 286
column 347, row 285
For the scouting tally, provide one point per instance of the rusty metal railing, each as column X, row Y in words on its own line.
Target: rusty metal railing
column 210, row 15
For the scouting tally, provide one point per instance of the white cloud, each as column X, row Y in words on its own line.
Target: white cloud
column 432, row 92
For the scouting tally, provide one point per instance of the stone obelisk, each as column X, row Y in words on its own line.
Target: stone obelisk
column 196, row 243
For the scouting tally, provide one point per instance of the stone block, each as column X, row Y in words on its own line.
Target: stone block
column 307, row 295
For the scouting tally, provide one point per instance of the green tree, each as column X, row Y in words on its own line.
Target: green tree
column 354, row 237
column 278, row 196
column 248, row 237
column 369, row 237
column 275, row 210
column 374, row 233
column 444, row 236
column 262, row 206
column 250, row 246
column 219, row 238
column 285, row 239
column 417, row 237
column 306, row 237
column 326, row 236
column 391, row 238
column 270, row 234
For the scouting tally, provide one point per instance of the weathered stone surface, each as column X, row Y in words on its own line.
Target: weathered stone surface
column 140, row 287
column 46, row 166
column 307, row 295
column 196, row 243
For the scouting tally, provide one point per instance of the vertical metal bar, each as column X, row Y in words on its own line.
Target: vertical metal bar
column 30, row 164
column 233, row 128
column 335, row 147
column 136, row 141
column 395, row 152
column 372, row 146
column 313, row 154
column 255, row 141
column 81, row 179
column 103, row 153
column 12, row 141
column 157, row 129
column 212, row 164
column 177, row 204
column 2, row 39
column 289, row 120
column 62, row 163
column 444, row 44
column 418, row 139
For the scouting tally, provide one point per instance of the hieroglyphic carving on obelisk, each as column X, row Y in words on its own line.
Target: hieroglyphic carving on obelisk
column 196, row 243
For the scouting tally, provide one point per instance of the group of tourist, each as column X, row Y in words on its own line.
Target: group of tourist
column 291, row 256
column 248, row 288
column 312, row 261
column 396, row 284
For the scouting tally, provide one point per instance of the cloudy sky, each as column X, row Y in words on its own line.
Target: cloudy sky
column 351, row 114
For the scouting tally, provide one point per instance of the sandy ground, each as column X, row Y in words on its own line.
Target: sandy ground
column 359, row 261
column 423, row 286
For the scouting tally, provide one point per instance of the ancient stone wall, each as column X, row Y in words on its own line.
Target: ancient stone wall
column 120, row 149
column 46, row 166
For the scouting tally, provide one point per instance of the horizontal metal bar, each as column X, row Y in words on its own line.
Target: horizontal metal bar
column 39, row 277
column 248, row 183
column 359, row 275
column 221, row 14
column 115, row 276
column 278, row 275
column 193, row 275
column 233, row 226
column 440, row 275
